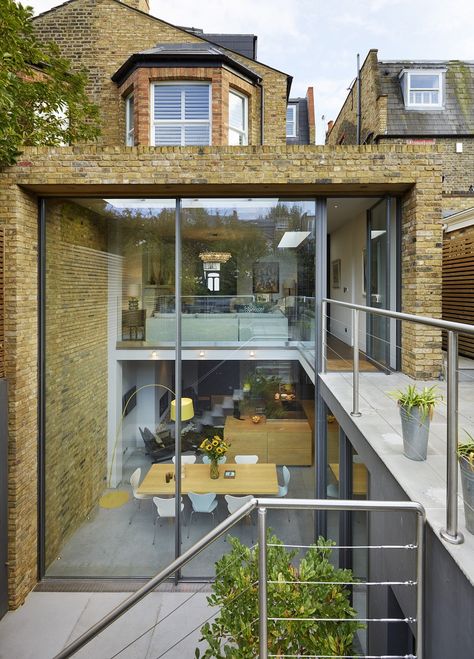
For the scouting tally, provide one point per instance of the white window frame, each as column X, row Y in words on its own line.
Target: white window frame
column 292, row 107
column 243, row 134
column 213, row 281
column 407, row 88
column 129, row 126
column 178, row 122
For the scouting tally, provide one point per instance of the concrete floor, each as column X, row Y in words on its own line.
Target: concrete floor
column 47, row 622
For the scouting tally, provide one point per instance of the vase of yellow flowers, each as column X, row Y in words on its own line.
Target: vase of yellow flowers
column 215, row 449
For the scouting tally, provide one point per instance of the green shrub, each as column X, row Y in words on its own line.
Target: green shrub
column 234, row 631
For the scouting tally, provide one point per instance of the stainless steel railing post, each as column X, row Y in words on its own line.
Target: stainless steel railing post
column 420, row 566
column 324, row 311
column 451, row 533
column 355, row 370
column 262, row 583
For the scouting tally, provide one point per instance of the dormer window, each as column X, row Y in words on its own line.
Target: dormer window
column 422, row 88
column 181, row 114
column 291, row 121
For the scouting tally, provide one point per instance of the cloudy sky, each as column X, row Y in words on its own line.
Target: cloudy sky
column 317, row 41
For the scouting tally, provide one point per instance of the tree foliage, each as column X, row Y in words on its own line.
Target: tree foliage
column 42, row 101
column 310, row 590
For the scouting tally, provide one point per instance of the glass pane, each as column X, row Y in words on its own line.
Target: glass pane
column 168, row 135
column 107, row 408
column 262, row 407
column 196, row 101
column 236, row 111
column 197, row 135
column 167, row 103
column 235, row 138
column 378, row 326
column 424, row 81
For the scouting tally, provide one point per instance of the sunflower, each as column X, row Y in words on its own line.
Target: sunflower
column 208, row 447
column 219, row 450
column 215, row 442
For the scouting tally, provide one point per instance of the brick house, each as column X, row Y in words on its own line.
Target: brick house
column 205, row 187
column 423, row 102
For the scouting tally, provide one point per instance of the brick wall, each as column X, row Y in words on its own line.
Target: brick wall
column 76, row 368
column 373, row 108
column 139, row 171
column 18, row 215
column 458, row 168
column 100, row 35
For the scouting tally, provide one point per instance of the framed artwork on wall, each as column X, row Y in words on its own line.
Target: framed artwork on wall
column 336, row 273
column 266, row 278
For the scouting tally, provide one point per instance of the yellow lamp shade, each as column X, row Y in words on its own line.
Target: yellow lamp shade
column 187, row 409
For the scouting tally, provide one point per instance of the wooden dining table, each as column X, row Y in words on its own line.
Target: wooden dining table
column 260, row 478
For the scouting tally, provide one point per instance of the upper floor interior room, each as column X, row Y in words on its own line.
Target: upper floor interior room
column 158, row 84
column 407, row 100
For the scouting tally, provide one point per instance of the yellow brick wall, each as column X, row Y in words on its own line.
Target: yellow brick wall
column 19, row 215
column 373, row 108
column 76, row 368
column 100, row 35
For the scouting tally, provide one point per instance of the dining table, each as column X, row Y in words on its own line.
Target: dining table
column 259, row 478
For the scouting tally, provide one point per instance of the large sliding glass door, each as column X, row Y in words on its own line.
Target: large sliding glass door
column 382, row 264
column 122, row 341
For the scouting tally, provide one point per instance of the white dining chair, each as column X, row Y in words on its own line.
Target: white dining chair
column 186, row 459
column 234, row 503
column 135, row 482
column 165, row 508
column 202, row 503
column 283, row 489
column 207, row 460
column 246, row 459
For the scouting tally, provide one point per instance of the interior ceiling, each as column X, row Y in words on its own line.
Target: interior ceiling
column 345, row 209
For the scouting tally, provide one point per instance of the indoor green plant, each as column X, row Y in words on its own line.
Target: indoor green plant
column 234, row 631
column 416, row 410
column 215, row 448
column 466, row 464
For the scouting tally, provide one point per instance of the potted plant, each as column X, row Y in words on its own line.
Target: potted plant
column 296, row 589
column 466, row 464
column 416, row 410
column 215, row 448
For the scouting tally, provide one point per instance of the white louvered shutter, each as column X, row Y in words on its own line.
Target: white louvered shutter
column 181, row 114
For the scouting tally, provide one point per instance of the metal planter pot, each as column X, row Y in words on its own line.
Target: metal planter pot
column 467, row 480
column 415, row 430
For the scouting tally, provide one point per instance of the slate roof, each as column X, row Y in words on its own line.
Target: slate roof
column 188, row 54
column 455, row 118
column 244, row 44
column 302, row 122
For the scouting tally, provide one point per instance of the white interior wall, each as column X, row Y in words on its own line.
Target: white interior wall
column 347, row 244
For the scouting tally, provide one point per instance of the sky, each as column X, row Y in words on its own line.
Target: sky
column 317, row 41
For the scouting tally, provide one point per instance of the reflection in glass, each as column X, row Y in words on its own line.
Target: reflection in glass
column 247, row 284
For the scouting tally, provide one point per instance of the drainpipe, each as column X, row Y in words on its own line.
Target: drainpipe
column 358, row 99
column 262, row 110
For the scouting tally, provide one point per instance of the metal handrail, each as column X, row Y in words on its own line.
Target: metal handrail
column 451, row 533
column 263, row 505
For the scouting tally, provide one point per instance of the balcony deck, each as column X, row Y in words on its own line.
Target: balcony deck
column 380, row 427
